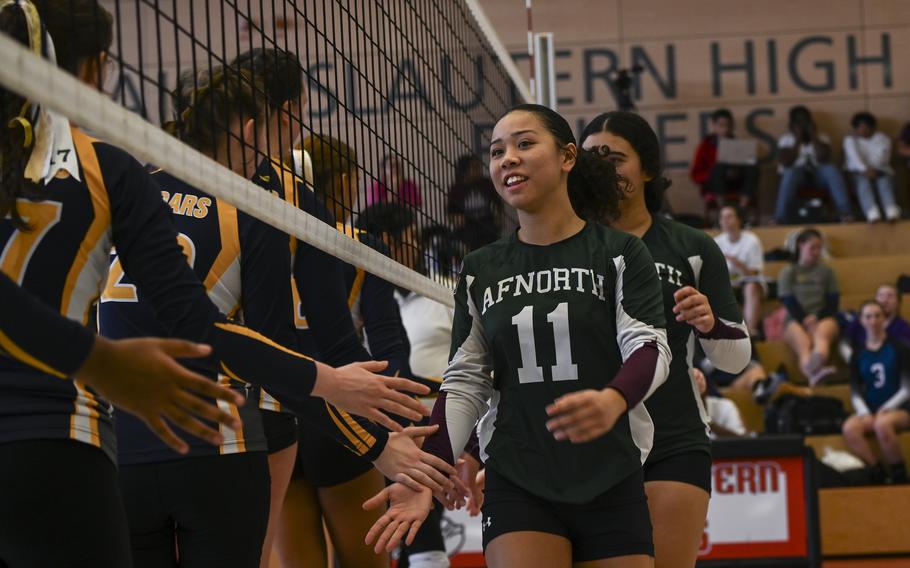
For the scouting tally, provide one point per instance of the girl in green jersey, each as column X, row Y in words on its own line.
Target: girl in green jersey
column 698, row 303
column 566, row 314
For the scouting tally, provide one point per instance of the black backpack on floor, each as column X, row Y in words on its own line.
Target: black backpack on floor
column 791, row 414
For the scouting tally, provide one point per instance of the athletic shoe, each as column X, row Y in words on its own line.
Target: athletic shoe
column 765, row 388
column 821, row 374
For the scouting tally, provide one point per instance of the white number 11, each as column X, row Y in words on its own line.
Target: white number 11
column 530, row 372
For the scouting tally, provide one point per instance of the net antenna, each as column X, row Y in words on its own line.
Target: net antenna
column 524, row 91
column 531, row 51
column 545, row 70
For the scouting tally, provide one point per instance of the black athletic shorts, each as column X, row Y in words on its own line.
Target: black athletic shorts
column 214, row 509
column 60, row 506
column 692, row 467
column 280, row 430
column 615, row 523
column 324, row 462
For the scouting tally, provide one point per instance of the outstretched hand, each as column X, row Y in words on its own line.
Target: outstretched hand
column 473, row 478
column 356, row 388
column 407, row 511
column 142, row 377
column 404, row 461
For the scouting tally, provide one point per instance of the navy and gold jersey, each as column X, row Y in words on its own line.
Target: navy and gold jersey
column 370, row 302
column 533, row 323
column 245, row 267
column 374, row 309
column 684, row 256
column 64, row 262
column 34, row 334
column 319, row 289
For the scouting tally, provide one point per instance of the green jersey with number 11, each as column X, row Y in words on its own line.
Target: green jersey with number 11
column 546, row 321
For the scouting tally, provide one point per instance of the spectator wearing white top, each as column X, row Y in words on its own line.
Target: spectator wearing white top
column 724, row 417
column 746, row 263
column 429, row 327
column 804, row 156
column 867, row 153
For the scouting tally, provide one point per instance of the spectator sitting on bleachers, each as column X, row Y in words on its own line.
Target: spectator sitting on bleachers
column 808, row 289
column 719, row 180
column 804, row 157
column 753, row 379
column 473, row 205
column 393, row 186
column 897, row 327
column 745, row 261
column 723, row 414
column 867, row 154
column 880, row 385
column 427, row 323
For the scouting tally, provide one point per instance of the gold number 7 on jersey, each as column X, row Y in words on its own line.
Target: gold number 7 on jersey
column 40, row 216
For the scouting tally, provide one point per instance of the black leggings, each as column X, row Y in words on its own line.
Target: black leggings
column 60, row 507
column 213, row 511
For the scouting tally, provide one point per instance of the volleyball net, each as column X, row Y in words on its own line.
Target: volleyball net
column 394, row 100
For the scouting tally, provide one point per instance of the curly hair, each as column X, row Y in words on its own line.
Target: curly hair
column 594, row 185
column 639, row 134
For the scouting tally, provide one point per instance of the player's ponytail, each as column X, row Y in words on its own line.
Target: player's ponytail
column 639, row 134
column 594, row 186
column 208, row 108
column 81, row 31
column 17, row 135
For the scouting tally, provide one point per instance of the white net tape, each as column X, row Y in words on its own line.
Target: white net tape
column 41, row 81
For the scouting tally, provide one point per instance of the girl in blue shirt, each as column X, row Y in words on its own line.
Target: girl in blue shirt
column 880, row 385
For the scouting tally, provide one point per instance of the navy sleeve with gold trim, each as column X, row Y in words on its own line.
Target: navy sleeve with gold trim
column 373, row 301
column 323, row 298
column 38, row 336
column 241, row 262
column 64, row 261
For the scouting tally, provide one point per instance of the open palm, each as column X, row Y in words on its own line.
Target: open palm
column 407, row 511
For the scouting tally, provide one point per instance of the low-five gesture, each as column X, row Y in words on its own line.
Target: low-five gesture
column 402, row 460
column 408, row 509
column 358, row 390
column 143, row 377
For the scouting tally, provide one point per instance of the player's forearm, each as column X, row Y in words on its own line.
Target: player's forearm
column 641, row 373
column 727, row 345
column 36, row 335
column 897, row 399
column 457, row 417
column 859, row 405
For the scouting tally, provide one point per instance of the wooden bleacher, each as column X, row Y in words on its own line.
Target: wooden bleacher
column 856, row 521
column 846, row 239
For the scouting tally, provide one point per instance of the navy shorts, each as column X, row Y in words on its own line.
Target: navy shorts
column 280, row 430
column 324, row 462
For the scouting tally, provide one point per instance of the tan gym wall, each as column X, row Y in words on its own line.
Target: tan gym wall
column 755, row 58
